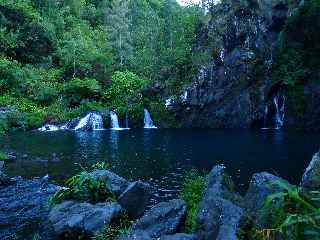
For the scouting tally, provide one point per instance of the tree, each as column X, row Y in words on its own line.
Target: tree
column 117, row 24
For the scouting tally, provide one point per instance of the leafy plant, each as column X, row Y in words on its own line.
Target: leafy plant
column 291, row 214
column 78, row 89
column 114, row 230
column 101, row 166
column 3, row 156
column 192, row 191
column 84, row 187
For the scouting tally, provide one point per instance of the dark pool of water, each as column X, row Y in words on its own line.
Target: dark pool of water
column 161, row 156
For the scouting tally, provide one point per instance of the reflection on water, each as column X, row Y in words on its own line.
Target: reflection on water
column 90, row 143
column 161, row 156
column 114, row 145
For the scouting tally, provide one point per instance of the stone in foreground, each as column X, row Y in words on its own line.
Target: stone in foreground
column 135, row 199
column 261, row 186
column 24, row 207
column 219, row 214
column 311, row 177
column 71, row 218
column 179, row 236
column 117, row 183
column 163, row 219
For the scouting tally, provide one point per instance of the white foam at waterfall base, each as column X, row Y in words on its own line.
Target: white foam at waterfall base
column 148, row 123
column 49, row 128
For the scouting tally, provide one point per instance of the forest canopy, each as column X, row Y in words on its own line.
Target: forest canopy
column 60, row 58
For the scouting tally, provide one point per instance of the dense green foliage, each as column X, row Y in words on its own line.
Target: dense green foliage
column 193, row 188
column 3, row 156
column 85, row 187
column 59, row 57
column 292, row 214
column 298, row 55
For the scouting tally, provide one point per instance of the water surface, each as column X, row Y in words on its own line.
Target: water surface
column 162, row 155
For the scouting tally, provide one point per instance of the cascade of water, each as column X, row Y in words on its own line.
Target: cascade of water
column 114, row 121
column 90, row 121
column 83, row 122
column 279, row 103
column 148, row 123
column 96, row 121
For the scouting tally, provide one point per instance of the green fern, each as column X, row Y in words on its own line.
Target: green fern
column 192, row 191
column 84, row 187
column 291, row 214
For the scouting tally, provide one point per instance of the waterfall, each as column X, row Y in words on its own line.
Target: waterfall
column 148, row 123
column 91, row 121
column 274, row 113
column 114, row 121
column 96, row 121
column 83, row 122
column 279, row 103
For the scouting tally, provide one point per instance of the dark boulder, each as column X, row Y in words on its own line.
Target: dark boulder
column 117, row 183
column 4, row 179
column 219, row 211
column 311, row 177
column 180, row 236
column 162, row 219
column 77, row 218
column 24, row 208
column 261, row 186
column 135, row 199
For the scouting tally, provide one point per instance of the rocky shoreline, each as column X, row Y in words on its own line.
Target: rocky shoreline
column 223, row 214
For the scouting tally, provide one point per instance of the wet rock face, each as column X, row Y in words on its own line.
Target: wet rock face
column 261, row 186
column 24, row 207
column 135, row 199
column 230, row 91
column 219, row 211
column 73, row 218
column 117, row 184
column 180, row 236
column 311, row 177
column 162, row 219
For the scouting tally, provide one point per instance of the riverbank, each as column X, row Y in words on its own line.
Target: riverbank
column 82, row 210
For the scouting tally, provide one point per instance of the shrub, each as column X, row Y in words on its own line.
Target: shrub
column 291, row 214
column 79, row 89
column 84, row 187
column 3, row 156
column 101, row 166
column 115, row 229
column 191, row 193
column 124, row 90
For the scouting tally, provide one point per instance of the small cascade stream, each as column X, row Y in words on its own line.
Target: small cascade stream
column 279, row 103
column 96, row 122
column 148, row 123
column 115, row 121
column 92, row 121
column 274, row 112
